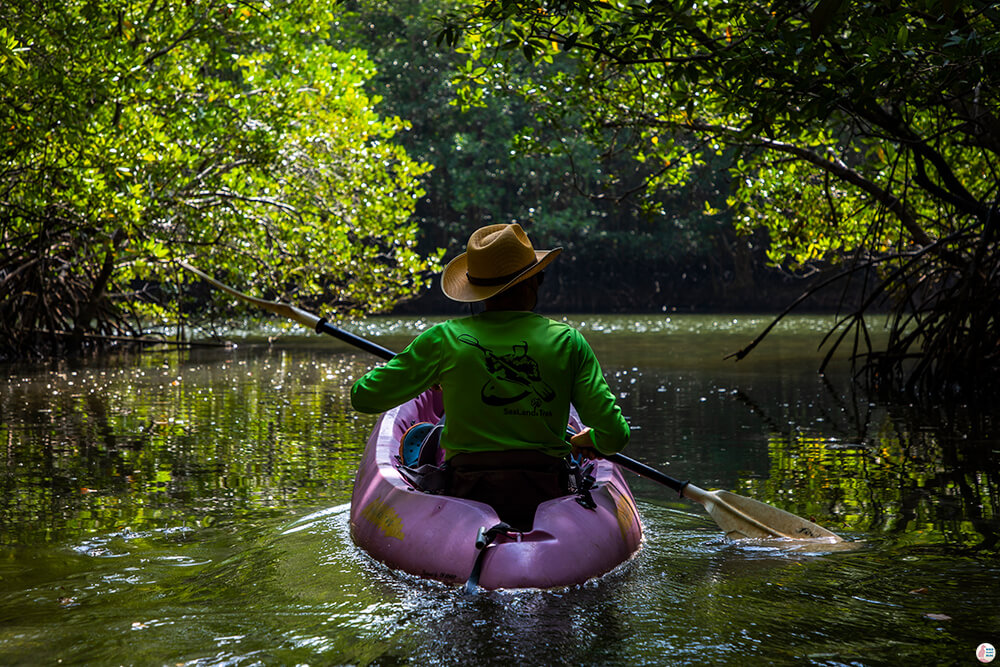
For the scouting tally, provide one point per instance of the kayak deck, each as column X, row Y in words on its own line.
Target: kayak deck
column 434, row 536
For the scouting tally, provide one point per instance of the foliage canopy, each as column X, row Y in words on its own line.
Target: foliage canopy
column 494, row 163
column 228, row 134
column 856, row 130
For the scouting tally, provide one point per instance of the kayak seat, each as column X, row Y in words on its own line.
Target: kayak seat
column 430, row 448
column 421, row 457
column 512, row 482
column 412, row 441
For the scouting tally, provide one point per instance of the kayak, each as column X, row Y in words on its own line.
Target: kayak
column 572, row 539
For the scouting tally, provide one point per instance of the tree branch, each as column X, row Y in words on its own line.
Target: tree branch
column 837, row 168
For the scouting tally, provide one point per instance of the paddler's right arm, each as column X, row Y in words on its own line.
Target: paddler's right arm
column 608, row 432
column 406, row 375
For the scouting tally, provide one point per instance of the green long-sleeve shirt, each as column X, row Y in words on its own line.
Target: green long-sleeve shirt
column 508, row 379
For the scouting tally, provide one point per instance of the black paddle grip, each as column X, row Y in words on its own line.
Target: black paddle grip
column 324, row 326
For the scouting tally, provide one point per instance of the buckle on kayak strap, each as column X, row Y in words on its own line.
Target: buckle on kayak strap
column 586, row 500
column 581, row 482
column 484, row 539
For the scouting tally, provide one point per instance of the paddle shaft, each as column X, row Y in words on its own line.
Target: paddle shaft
column 323, row 326
column 305, row 318
column 647, row 472
column 735, row 514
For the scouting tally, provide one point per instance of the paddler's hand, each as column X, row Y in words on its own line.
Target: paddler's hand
column 583, row 446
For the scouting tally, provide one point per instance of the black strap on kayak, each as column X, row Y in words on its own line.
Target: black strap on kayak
column 581, row 483
column 484, row 539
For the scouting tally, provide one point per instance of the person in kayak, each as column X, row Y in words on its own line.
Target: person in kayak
column 508, row 377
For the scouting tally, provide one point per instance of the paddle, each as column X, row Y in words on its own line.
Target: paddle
column 739, row 517
column 306, row 319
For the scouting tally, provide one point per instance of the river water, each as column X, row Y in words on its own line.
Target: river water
column 190, row 508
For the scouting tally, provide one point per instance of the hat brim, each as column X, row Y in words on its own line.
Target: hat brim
column 455, row 279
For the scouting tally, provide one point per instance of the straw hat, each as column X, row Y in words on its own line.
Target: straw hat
column 496, row 258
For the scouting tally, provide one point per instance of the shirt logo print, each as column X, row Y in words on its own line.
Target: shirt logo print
column 512, row 376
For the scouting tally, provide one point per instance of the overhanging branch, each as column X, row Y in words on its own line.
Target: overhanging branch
column 831, row 165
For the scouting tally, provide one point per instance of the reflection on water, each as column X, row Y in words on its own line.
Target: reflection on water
column 189, row 508
column 174, row 437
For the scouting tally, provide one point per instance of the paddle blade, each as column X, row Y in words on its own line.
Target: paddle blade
column 303, row 317
column 742, row 517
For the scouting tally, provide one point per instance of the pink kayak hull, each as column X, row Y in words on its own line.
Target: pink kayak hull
column 433, row 536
